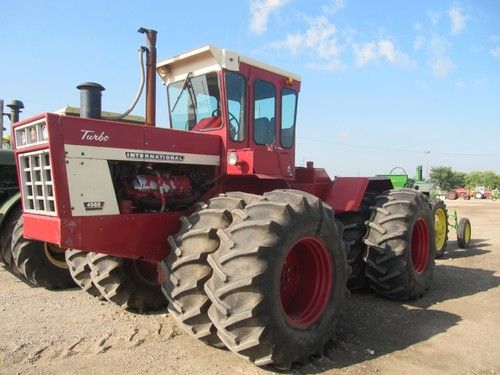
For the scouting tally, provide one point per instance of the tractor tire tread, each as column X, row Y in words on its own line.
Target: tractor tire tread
column 389, row 267
column 116, row 281
column 30, row 259
column 79, row 269
column 187, row 264
column 237, row 289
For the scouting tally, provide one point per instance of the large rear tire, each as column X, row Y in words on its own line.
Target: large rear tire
column 279, row 279
column 401, row 245
column 354, row 232
column 187, row 268
column 129, row 283
column 79, row 269
column 41, row 263
column 440, row 226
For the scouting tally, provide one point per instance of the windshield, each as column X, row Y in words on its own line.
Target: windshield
column 195, row 99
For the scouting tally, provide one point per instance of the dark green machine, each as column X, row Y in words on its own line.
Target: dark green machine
column 8, row 176
column 401, row 180
column 441, row 217
column 10, row 205
column 10, row 198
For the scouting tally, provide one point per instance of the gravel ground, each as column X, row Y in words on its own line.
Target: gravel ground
column 453, row 329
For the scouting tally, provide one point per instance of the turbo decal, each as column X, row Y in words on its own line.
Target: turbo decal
column 90, row 135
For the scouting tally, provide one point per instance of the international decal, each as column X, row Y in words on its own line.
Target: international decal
column 153, row 156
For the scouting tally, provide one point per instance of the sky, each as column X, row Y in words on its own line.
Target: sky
column 384, row 83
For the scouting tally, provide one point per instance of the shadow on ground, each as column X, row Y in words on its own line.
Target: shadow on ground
column 373, row 326
column 476, row 248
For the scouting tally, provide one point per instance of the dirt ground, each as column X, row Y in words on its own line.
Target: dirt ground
column 455, row 328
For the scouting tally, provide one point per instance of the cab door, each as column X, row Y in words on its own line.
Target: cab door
column 273, row 151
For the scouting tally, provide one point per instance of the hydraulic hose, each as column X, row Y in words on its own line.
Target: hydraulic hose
column 139, row 91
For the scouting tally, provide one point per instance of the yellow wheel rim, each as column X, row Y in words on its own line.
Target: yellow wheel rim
column 55, row 255
column 467, row 233
column 440, row 228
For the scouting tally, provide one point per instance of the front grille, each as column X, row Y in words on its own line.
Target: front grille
column 36, row 182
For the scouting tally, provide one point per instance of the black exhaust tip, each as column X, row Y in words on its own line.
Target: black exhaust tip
column 15, row 109
column 90, row 99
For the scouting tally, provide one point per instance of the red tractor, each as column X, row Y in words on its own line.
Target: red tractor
column 251, row 252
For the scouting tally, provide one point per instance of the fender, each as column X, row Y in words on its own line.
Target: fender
column 346, row 193
column 8, row 206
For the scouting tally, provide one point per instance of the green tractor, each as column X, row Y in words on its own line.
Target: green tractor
column 10, row 206
column 442, row 222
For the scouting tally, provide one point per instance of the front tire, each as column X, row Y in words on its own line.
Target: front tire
column 41, row 263
column 401, row 245
column 279, row 279
column 79, row 268
column 440, row 226
column 131, row 284
column 464, row 232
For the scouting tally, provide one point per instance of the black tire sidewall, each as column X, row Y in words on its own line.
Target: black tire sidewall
column 299, row 340
column 462, row 226
column 38, row 269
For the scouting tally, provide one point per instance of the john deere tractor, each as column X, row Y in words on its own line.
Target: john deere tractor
column 441, row 218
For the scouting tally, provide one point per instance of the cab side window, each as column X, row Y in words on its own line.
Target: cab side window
column 235, row 89
column 288, row 116
column 264, row 103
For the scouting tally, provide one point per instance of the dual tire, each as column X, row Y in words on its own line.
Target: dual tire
column 128, row 283
column 401, row 244
column 354, row 230
column 273, row 283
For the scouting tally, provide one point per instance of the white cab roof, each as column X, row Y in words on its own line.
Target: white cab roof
column 209, row 59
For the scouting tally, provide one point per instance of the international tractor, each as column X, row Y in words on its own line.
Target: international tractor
column 211, row 215
column 34, row 262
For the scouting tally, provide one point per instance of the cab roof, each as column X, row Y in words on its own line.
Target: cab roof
column 210, row 58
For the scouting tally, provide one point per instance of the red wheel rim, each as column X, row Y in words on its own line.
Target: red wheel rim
column 306, row 282
column 420, row 246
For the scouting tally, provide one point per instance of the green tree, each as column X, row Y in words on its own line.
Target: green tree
column 459, row 179
column 446, row 179
column 483, row 178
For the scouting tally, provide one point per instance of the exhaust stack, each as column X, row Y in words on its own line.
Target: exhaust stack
column 150, row 75
column 90, row 99
column 15, row 109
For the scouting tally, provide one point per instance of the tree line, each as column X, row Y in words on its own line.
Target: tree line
column 447, row 179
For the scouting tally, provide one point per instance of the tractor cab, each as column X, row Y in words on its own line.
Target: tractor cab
column 252, row 106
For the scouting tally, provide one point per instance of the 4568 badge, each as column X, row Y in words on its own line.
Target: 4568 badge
column 93, row 206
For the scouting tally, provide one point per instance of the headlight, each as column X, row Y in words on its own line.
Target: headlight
column 32, row 134
column 232, row 158
column 45, row 132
